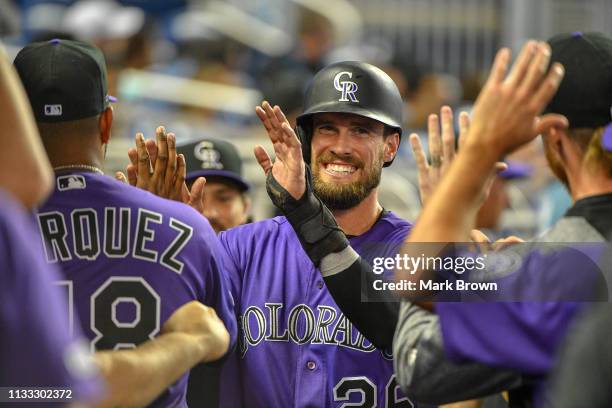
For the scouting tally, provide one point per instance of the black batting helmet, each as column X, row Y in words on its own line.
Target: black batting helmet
column 350, row 87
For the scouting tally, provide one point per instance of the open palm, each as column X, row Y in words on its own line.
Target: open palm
column 288, row 168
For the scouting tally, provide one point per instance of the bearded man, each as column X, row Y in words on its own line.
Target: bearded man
column 297, row 347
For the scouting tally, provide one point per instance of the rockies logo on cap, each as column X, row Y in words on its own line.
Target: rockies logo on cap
column 348, row 89
column 210, row 157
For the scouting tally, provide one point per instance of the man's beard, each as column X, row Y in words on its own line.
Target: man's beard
column 343, row 196
column 556, row 167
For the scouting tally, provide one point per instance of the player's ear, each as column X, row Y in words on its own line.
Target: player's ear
column 554, row 139
column 392, row 142
column 105, row 124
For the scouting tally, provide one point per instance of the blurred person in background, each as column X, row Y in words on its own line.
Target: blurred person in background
column 125, row 43
column 315, row 39
column 423, row 92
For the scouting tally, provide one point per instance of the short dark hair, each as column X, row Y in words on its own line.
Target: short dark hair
column 84, row 126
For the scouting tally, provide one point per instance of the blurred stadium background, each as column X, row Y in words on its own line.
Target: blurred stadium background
column 200, row 67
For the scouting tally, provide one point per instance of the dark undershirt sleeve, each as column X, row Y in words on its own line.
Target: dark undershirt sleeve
column 424, row 372
column 349, row 280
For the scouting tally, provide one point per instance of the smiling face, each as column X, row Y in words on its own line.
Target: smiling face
column 348, row 154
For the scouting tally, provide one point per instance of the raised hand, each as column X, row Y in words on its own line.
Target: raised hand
column 441, row 149
column 505, row 115
column 156, row 167
column 288, row 167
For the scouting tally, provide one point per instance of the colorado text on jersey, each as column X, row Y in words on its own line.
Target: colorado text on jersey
column 324, row 326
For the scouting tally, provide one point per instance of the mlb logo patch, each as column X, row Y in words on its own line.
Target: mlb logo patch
column 71, row 182
column 53, row 110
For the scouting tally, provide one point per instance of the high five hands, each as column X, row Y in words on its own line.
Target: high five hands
column 156, row 167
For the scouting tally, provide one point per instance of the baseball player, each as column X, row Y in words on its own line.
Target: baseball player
column 130, row 260
column 581, row 375
column 297, row 348
column 38, row 348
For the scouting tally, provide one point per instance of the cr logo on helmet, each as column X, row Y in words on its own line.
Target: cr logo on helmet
column 348, row 88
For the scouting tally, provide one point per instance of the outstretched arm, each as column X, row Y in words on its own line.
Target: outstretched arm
column 135, row 377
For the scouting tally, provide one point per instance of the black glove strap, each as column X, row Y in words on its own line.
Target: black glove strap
column 312, row 221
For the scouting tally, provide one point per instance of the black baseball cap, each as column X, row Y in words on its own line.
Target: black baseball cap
column 65, row 80
column 585, row 94
column 213, row 158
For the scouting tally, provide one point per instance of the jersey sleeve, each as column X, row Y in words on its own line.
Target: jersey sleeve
column 37, row 346
column 514, row 335
column 520, row 335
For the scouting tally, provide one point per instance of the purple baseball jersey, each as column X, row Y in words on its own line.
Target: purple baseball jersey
column 36, row 346
column 129, row 260
column 296, row 347
column 523, row 336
